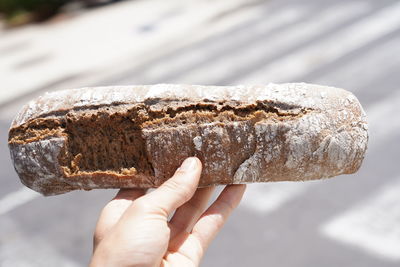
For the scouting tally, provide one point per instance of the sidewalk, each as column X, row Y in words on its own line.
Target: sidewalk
column 99, row 43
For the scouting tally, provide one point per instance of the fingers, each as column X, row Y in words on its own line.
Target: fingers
column 187, row 215
column 113, row 211
column 177, row 190
column 211, row 222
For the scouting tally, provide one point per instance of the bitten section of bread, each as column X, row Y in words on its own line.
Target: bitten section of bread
column 141, row 141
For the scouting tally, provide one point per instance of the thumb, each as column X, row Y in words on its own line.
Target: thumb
column 178, row 189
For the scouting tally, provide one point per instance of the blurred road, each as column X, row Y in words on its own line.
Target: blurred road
column 351, row 220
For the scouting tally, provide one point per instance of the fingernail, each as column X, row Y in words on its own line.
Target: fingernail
column 188, row 164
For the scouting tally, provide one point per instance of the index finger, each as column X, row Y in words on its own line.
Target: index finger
column 113, row 210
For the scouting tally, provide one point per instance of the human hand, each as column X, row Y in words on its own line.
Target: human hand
column 133, row 228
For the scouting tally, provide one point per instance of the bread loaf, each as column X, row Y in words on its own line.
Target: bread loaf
column 136, row 136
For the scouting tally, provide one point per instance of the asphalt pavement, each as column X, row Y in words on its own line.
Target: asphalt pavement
column 351, row 220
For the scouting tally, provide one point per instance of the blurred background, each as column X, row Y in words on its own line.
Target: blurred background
column 351, row 220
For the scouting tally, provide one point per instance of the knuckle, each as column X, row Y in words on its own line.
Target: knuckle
column 217, row 220
column 149, row 206
column 219, row 213
column 105, row 209
column 182, row 190
column 98, row 235
column 166, row 233
column 141, row 205
column 226, row 206
column 199, row 248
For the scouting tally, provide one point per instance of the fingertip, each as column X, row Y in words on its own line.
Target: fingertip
column 233, row 193
column 236, row 187
column 188, row 175
column 241, row 187
column 189, row 172
column 241, row 191
column 190, row 164
column 199, row 163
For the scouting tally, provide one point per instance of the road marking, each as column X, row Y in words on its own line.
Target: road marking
column 373, row 225
column 382, row 119
column 297, row 65
column 265, row 198
column 38, row 250
column 197, row 55
column 302, row 30
column 372, row 65
column 16, row 199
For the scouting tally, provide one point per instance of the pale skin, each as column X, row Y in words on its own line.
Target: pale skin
column 134, row 228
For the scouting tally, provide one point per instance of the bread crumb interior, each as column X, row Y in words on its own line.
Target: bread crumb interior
column 109, row 138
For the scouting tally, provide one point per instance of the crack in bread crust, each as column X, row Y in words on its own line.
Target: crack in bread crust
column 109, row 138
column 153, row 110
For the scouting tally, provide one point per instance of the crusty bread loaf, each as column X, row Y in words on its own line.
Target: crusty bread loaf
column 136, row 136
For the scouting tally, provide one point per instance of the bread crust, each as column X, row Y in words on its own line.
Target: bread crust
column 242, row 134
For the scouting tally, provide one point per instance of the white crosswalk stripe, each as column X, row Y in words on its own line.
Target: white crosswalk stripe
column 302, row 62
column 382, row 123
column 21, row 251
column 372, row 225
column 16, row 199
column 266, row 198
column 215, row 49
column 305, row 29
column 363, row 66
